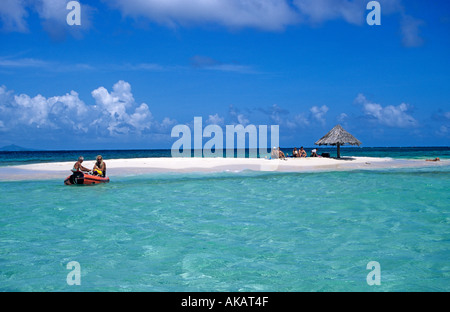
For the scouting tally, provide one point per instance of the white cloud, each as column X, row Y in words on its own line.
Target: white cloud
column 242, row 120
column 351, row 11
column 69, row 111
column 140, row 67
column 140, row 116
column 411, row 32
column 208, row 63
column 121, row 115
column 318, row 11
column 279, row 116
column 4, row 95
column 236, row 68
column 52, row 9
column 57, row 112
column 33, row 110
column 12, row 15
column 318, row 113
column 115, row 107
column 282, row 117
column 261, row 14
column 115, row 113
column 392, row 116
column 237, row 117
column 342, row 117
column 302, row 120
column 13, row 61
column 354, row 12
column 53, row 66
column 266, row 14
column 24, row 62
column 215, row 120
column 53, row 13
column 164, row 127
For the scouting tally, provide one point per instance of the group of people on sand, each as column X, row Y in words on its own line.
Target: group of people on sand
column 99, row 166
column 302, row 153
column 296, row 153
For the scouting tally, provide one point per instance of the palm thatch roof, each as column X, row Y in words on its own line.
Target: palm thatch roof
column 338, row 136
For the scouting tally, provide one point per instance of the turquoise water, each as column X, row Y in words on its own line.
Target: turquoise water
column 242, row 231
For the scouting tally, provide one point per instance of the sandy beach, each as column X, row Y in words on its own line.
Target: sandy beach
column 121, row 167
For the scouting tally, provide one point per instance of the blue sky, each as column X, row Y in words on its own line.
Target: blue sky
column 134, row 69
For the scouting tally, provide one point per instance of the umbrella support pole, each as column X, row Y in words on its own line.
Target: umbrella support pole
column 338, row 150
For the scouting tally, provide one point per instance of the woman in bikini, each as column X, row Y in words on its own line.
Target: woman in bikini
column 99, row 167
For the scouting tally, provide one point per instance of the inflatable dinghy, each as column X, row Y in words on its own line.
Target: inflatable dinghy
column 82, row 178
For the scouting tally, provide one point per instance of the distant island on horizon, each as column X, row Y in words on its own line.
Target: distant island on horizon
column 15, row 148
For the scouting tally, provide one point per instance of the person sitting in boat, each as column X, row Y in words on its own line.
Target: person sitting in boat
column 99, row 167
column 302, row 152
column 78, row 167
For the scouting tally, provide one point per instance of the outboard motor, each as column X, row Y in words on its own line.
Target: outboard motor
column 77, row 178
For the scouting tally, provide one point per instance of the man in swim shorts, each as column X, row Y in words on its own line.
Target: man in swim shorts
column 78, row 167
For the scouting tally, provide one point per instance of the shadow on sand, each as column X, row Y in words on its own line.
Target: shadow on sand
column 344, row 158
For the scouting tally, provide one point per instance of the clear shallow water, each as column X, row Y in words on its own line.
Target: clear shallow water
column 230, row 232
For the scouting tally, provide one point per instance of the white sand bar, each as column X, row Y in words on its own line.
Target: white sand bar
column 120, row 167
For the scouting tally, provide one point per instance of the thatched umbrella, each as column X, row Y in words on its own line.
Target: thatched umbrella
column 338, row 136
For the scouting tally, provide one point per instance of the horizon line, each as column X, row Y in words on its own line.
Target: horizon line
column 168, row 149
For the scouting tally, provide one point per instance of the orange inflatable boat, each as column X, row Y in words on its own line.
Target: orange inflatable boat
column 82, row 178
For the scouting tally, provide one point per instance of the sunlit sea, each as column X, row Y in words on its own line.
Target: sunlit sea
column 230, row 231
